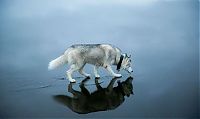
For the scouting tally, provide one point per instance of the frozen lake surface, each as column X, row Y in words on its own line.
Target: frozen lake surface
column 157, row 93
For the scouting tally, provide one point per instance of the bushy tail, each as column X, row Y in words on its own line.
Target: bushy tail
column 57, row 62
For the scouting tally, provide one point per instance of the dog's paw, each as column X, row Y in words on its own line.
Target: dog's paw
column 117, row 75
column 87, row 75
column 72, row 80
column 97, row 76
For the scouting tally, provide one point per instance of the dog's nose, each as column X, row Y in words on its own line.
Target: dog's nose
column 132, row 71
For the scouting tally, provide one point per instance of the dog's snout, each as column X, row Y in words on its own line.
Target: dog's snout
column 130, row 70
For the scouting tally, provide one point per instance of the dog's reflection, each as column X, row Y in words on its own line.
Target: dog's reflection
column 102, row 99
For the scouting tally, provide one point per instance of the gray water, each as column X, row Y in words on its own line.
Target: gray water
column 161, row 36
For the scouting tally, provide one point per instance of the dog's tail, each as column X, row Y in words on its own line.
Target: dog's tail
column 57, row 62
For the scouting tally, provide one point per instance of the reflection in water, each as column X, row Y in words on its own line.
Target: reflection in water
column 102, row 99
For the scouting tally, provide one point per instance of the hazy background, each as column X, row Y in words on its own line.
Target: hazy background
column 161, row 35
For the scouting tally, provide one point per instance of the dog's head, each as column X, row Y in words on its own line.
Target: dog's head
column 126, row 63
column 126, row 86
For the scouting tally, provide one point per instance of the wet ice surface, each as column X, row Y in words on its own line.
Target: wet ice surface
column 161, row 36
column 32, row 95
column 29, row 97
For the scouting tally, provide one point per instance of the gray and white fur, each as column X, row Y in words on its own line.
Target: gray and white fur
column 100, row 55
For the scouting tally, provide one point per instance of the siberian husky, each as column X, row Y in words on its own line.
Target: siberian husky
column 100, row 55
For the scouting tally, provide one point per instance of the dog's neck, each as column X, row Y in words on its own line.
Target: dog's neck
column 120, row 62
column 120, row 87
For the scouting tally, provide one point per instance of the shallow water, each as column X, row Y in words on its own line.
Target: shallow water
column 162, row 38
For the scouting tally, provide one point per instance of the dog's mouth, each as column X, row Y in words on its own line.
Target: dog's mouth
column 129, row 70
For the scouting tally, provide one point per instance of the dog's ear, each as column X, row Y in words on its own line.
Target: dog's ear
column 129, row 56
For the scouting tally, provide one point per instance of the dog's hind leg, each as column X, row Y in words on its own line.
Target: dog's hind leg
column 75, row 93
column 82, row 72
column 73, row 68
column 109, row 69
column 84, row 90
column 96, row 72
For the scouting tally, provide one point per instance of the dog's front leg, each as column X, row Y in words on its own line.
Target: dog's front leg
column 98, row 85
column 109, row 69
column 96, row 72
column 110, row 86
